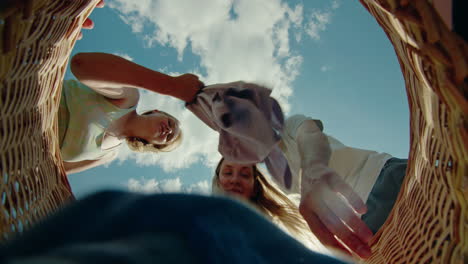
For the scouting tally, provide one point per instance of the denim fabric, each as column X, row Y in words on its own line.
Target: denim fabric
column 384, row 193
column 459, row 8
column 120, row 227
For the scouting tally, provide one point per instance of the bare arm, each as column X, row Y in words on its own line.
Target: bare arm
column 445, row 7
column 79, row 166
column 328, row 203
column 117, row 78
column 313, row 145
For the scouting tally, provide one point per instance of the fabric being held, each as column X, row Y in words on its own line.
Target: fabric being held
column 249, row 122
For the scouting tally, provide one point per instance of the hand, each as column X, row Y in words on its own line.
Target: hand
column 188, row 85
column 88, row 23
column 331, row 208
column 189, row 80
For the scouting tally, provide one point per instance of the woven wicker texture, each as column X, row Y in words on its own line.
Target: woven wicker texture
column 429, row 221
column 36, row 40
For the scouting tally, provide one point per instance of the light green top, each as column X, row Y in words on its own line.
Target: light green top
column 83, row 118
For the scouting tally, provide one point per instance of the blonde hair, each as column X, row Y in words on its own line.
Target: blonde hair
column 271, row 201
column 141, row 145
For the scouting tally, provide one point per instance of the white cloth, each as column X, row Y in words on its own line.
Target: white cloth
column 358, row 167
column 249, row 122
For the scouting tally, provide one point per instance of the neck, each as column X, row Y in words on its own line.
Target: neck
column 122, row 127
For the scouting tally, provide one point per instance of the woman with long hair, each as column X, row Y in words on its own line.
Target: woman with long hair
column 345, row 193
column 248, row 183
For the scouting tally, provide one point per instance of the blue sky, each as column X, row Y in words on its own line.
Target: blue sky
column 326, row 59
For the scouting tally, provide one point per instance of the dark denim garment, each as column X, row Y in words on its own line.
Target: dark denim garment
column 121, row 227
column 384, row 193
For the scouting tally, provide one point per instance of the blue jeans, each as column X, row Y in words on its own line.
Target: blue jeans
column 384, row 193
column 120, row 227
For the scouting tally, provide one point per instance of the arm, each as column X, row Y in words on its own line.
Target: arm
column 117, row 78
column 79, row 166
column 312, row 144
column 328, row 203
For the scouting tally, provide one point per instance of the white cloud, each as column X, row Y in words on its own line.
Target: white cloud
column 154, row 186
column 250, row 47
column 124, row 55
column 143, row 186
column 297, row 18
column 135, row 22
column 325, row 68
column 335, row 4
column 171, row 185
column 201, row 187
column 296, row 15
column 166, row 186
column 319, row 19
column 318, row 23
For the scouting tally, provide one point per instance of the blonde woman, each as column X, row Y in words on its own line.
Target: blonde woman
column 98, row 111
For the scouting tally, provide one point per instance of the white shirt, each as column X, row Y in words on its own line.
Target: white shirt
column 358, row 167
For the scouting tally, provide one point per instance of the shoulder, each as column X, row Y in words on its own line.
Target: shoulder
column 69, row 85
column 74, row 87
column 110, row 155
column 70, row 82
column 294, row 122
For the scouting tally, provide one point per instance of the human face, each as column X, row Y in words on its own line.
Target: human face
column 159, row 128
column 237, row 179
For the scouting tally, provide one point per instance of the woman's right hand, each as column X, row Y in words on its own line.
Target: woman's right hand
column 332, row 210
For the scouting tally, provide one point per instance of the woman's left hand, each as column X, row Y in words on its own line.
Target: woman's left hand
column 88, row 23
